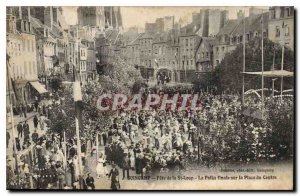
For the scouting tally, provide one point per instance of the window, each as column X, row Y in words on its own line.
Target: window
column 223, row 49
column 288, row 11
column 25, row 68
column 192, row 62
column 206, row 54
column 277, row 31
column 24, row 45
column 287, row 31
column 28, row 45
column 217, row 62
column 30, row 67
column 187, row 62
column 186, row 42
column 32, row 45
column 202, row 55
column 273, row 14
column 265, row 34
column 281, row 12
column 248, row 37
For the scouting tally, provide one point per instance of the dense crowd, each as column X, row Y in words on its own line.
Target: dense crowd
column 150, row 142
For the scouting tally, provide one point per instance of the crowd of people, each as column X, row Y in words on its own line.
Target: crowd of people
column 151, row 142
column 146, row 143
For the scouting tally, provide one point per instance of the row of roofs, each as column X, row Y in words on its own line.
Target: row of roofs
column 233, row 27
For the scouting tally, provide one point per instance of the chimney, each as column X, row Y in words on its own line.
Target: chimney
column 111, row 16
column 20, row 12
column 51, row 17
column 28, row 14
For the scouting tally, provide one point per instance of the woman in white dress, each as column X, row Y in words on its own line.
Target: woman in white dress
column 101, row 167
column 132, row 159
column 76, row 167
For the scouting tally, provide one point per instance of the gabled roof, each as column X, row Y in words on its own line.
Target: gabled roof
column 252, row 23
column 146, row 35
column 136, row 40
column 228, row 28
column 208, row 42
column 161, row 37
column 36, row 23
column 189, row 30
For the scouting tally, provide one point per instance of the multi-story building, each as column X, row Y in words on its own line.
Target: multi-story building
column 168, row 23
column 91, row 59
column 233, row 34
column 22, row 54
column 113, row 18
column 160, row 24
column 72, row 53
column 222, row 45
column 150, row 27
column 187, row 42
column 210, row 21
column 145, row 49
column 281, row 25
column 166, row 54
column 82, row 62
column 133, row 52
column 91, row 16
column 204, row 55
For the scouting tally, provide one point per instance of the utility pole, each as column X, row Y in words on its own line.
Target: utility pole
column 282, row 60
column 262, row 66
column 15, row 152
column 244, row 63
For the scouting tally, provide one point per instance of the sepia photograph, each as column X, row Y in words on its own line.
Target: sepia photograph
column 150, row 98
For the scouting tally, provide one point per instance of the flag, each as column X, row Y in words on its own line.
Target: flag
column 11, row 80
column 156, row 62
column 75, row 74
column 78, row 119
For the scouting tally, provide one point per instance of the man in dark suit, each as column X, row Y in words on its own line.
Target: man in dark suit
column 126, row 166
column 20, row 129
column 90, row 181
column 114, row 174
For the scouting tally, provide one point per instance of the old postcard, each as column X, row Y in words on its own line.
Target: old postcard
column 150, row 98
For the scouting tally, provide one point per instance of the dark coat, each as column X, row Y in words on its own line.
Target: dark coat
column 114, row 174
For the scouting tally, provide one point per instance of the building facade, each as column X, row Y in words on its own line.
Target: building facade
column 281, row 25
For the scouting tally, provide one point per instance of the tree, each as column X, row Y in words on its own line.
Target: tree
column 227, row 76
column 56, row 83
column 62, row 116
column 119, row 76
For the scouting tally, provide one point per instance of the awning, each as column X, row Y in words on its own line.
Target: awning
column 38, row 87
column 275, row 73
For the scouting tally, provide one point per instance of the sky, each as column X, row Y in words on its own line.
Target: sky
column 138, row 16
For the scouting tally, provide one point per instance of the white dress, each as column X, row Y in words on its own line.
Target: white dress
column 132, row 160
column 100, row 169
